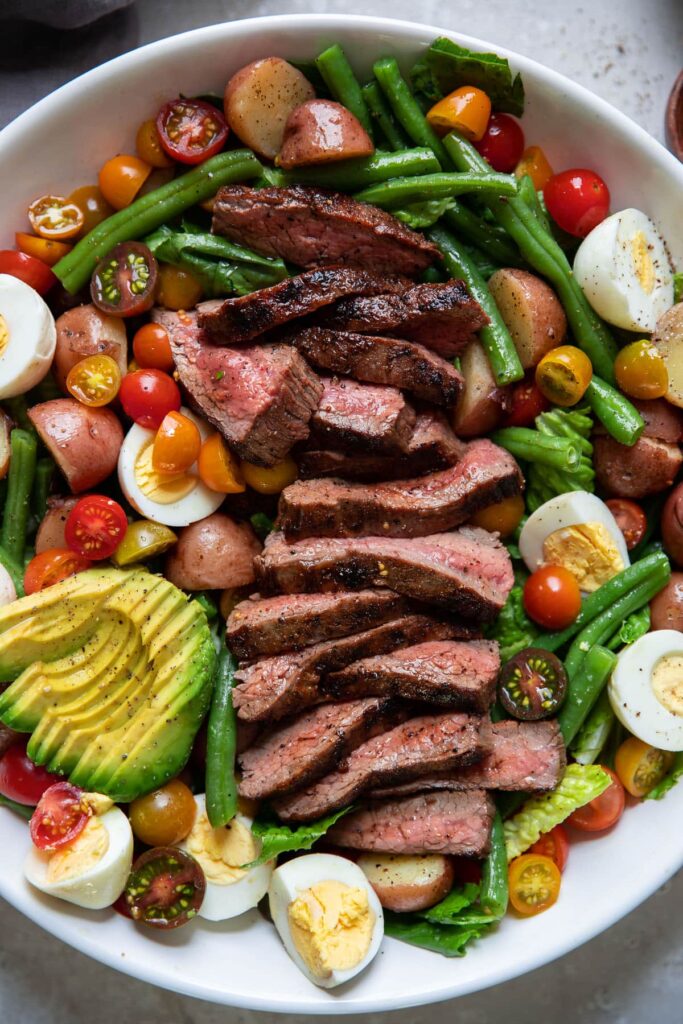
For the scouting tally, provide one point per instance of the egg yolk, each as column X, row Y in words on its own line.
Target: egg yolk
column 587, row 550
column 163, row 488
column 222, row 851
column 81, row 855
column 4, row 334
column 642, row 262
column 667, row 683
column 331, row 925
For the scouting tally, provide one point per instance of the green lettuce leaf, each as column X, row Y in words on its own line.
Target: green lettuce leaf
column 678, row 287
column 595, row 732
column 632, row 628
column 417, row 932
column 544, row 483
column 513, row 629
column 446, row 66
column 422, row 215
column 278, row 838
column 669, row 781
column 262, row 524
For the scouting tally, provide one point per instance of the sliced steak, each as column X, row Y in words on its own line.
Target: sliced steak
column 467, row 571
column 312, row 228
column 528, row 757
column 363, row 417
column 446, row 672
column 275, row 687
column 300, row 751
column 405, row 752
column 441, row 316
column 261, row 398
column 407, row 508
column 288, row 622
column 450, row 823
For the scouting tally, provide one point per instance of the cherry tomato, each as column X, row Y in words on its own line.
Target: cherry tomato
column 178, row 288
column 553, row 844
column 640, row 371
column 502, row 143
column 121, row 178
column 577, row 200
column 218, row 467
column 93, row 206
column 640, row 767
column 52, row 566
column 28, row 269
column 564, row 374
column 552, row 597
column 20, row 779
column 152, row 348
column 165, row 888
column 148, row 145
column 535, row 882
column 55, row 217
column 94, row 381
column 191, row 130
column 95, row 527
column 534, row 162
column 630, row 518
column 532, row 685
column 147, row 396
column 164, row 817
column 270, row 480
column 44, row 249
column 60, row 816
column 466, row 869
column 527, row 402
column 504, row 517
column 123, row 282
column 143, row 539
column 603, row 812
column 466, row 110
column 176, row 446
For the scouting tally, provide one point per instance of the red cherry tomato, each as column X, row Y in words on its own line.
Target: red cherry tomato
column 59, row 817
column 630, row 518
column 148, row 395
column 95, row 527
column 526, row 403
column 20, row 779
column 52, row 566
column 152, row 348
column 603, row 812
column 191, row 130
column 552, row 597
column 28, row 269
column 554, row 844
column 577, row 200
column 503, row 143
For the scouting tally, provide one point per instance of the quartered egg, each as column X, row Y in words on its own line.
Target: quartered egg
column 646, row 689
column 28, row 337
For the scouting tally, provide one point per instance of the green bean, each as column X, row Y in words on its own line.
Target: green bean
column 489, row 238
column 595, row 731
column 349, row 175
column 528, row 194
column 481, row 261
column 22, row 470
column 619, row 417
column 444, row 185
column 343, row 84
column 584, row 690
column 21, row 809
column 382, row 115
column 532, row 446
column 15, row 570
column 493, row 897
column 150, row 211
column 221, row 744
column 17, row 408
column 407, row 110
column 495, row 336
column 45, row 469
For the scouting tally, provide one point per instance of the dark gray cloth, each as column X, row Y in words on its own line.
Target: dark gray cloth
column 60, row 13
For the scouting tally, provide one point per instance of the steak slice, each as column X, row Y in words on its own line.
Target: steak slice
column 298, row 752
column 381, row 360
column 467, row 571
column 275, row 687
column 406, row 508
column 271, row 625
column 443, row 317
column 234, row 321
column 450, row 823
column 363, row 416
column 260, row 399
column 404, row 753
column 311, row 228
column 450, row 673
column 525, row 756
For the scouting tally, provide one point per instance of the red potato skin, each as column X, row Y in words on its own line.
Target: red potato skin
column 320, row 131
column 482, row 404
column 51, row 530
column 648, row 467
column 85, row 331
column 85, row 443
column 666, row 609
column 662, row 420
column 213, row 554
column 672, row 526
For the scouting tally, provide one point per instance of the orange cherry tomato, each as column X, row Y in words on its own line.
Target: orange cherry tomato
column 554, row 844
column 177, row 288
column 466, row 110
column 218, row 467
column 45, row 249
column 630, row 518
column 94, row 381
column 603, row 812
column 552, row 597
column 177, row 444
column 121, row 178
column 535, row 883
column 92, row 205
column 534, row 162
column 52, row 566
column 640, row 371
column 152, row 348
column 640, row 767
column 149, row 146
column 564, row 374
column 503, row 517
column 55, row 218
column 271, row 479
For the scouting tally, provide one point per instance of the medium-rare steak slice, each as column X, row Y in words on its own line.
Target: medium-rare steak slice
column 298, row 752
column 525, row 756
column 450, row 823
column 441, row 316
column 311, row 228
column 235, row 321
column 275, row 687
column 467, row 571
column 288, row 622
column 260, row 398
column 403, row 753
column 381, row 360
column 450, row 673
column 363, row 417
column 406, row 508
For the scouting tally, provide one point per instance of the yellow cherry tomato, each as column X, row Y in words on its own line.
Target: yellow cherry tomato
column 218, row 467
column 503, row 517
column 176, row 445
column 534, row 162
column 176, row 288
column 94, row 381
column 640, row 767
column 535, row 882
column 45, row 249
column 270, row 480
column 229, row 600
column 92, row 205
column 142, row 540
column 149, row 147
column 564, row 374
column 466, row 110
column 640, row 371
column 121, row 178
column 55, row 217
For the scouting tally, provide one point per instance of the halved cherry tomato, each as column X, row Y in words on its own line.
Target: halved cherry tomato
column 191, row 130
column 271, row 479
column 178, row 288
column 95, row 527
column 532, row 685
column 535, row 882
column 640, row 767
column 20, row 779
column 504, row 517
column 630, row 518
column 564, row 374
column 147, row 396
column 577, row 200
column 218, row 467
column 143, row 540
column 527, row 402
column 94, row 381
column 28, row 269
column 165, row 816
column 466, row 110
column 55, row 217
column 152, row 348
column 502, row 143
column 44, row 249
column 177, row 444
column 553, row 844
column 552, row 597
column 123, row 282
column 61, row 816
column 166, row 888
column 640, row 371
column 52, row 566
column 603, row 812
column 148, row 145
column 121, row 178
column 92, row 204
column 534, row 162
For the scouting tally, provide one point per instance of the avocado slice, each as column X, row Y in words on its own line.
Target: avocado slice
column 111, row 672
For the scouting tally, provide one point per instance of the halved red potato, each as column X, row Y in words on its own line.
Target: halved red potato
column 84, row 442
column 480, row 407
column 321, row 131
column 258, row 100
column 406, row 883
column 213, row 554
column 532, row 313
column 85, row 331
column 51, row 530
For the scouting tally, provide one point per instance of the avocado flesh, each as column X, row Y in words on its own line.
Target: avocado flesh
column 112, row 675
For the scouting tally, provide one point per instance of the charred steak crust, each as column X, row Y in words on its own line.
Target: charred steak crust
column 363, row 417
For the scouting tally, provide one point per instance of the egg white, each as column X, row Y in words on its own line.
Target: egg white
column 8, row 591
column 631, row 695
column 31, row 337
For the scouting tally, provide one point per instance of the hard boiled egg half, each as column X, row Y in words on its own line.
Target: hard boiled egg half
column 327, row 915
column 623, row 268
column 578, row 531
column 172, row 499
column 28, row 337
column 646, row 689
column 231, row 888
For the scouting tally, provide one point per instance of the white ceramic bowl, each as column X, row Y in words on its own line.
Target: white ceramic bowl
column 59, row 144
